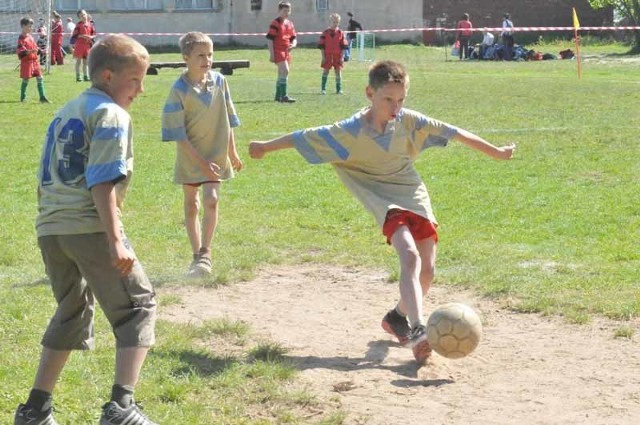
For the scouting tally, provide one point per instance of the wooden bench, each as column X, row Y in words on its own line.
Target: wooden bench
column 226, row 67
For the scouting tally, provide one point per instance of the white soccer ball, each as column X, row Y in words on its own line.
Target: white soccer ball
column 454, row 330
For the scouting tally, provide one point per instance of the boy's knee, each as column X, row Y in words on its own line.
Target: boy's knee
column 210, row 202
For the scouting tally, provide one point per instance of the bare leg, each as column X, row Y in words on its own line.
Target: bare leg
column 410, row 265
column 210, row 213
column 51, row 364
column 191, row 208
column 129, row 362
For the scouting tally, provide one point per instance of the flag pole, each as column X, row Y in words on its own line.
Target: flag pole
column 576, row 25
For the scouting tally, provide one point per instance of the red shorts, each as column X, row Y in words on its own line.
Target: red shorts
column 281, row 56
column 420, row 227
column 81, row 50
column 30, row 69
column 333, row 61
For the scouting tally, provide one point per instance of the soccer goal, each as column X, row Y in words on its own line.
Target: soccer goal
column 11, row 11
column 365, row 46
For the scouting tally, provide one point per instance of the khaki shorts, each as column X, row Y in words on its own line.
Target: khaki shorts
column 128, row 302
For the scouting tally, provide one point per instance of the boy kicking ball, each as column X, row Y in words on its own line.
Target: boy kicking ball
column 373, row 153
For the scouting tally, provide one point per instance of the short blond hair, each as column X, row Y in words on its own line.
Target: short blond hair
column 334, row 17
column 115, row 52
column 191, row 39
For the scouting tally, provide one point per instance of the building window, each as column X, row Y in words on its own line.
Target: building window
column 135, row 4
column 322, row 4
column 74, row 5
column 256, row 5
column 194, row 4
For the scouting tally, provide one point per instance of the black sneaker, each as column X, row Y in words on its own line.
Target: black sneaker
column 286, row 99
column 420, row 344
column 113, row 414
column 27, row 415
column 44, row 100
column 397, row 326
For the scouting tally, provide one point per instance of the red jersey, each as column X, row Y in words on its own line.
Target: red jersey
column 29, row 61
column 282, row 33
column 464, row 28
column 83, row 28
column 57, row 33
column 332, row 42
column 26, row 43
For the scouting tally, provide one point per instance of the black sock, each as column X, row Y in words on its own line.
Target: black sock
column 122, row 394
column 40, row 400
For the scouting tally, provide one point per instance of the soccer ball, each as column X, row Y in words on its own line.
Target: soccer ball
column 454, row 330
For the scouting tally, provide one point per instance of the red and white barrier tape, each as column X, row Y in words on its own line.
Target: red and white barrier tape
column 498, row 29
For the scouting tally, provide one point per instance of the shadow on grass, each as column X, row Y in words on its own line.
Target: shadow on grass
column 199, row 362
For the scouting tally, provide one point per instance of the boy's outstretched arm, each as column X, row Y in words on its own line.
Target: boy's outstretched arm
column 258, row 149
column 478, row 143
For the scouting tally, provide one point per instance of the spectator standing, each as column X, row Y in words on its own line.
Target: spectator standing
column 29, row 65
column 69, row 27
column 487, row 41
column 463, row 34
column 83, row 34
column 332, row 44
column 507, row 37
column 57, row 34
column 352, row 27
column 281, row 39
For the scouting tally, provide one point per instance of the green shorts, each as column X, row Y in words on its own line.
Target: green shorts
column 128, row 302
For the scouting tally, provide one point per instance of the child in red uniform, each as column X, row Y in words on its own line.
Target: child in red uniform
column 281, row 38
column 332, row 43
column 29, row 63
column 83, row 35
column 57, row 33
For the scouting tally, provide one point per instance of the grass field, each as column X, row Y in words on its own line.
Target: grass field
column 554, row 231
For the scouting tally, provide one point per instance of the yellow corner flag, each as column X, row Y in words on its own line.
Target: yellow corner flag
column 576, row 25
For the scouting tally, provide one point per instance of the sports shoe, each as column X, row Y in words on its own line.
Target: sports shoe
column 200, row 266
column 44, row 100
column 86, row 78
column 323, row 92
column 78, row 79
column 113, row 414
column 27, row 415
column 286, row 99
column 397, row 326
column 419, row 344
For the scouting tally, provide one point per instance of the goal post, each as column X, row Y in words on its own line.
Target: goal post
column 365, row 46
column 11, row 11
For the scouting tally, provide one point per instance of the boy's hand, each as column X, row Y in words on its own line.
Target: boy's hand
column 506, row 152
column 212, row 171
column 236, row 162
column 256, row 150
column 122, row 259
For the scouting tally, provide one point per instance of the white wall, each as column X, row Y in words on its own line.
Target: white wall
column 235, row 16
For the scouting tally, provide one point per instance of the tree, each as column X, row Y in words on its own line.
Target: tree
column 629, row 9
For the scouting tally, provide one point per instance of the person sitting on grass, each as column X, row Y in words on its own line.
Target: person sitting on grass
column 373, row 153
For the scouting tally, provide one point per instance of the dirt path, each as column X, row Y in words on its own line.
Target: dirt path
column 527, row 370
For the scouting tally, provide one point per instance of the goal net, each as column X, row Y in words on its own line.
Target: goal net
column 11, row 11
column 364, row 46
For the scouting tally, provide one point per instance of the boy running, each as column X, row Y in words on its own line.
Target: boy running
column 281, row 38
column 373, row 153
column 199, row 114
column 29, row 61
column 84, row 173
column 332, row 45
